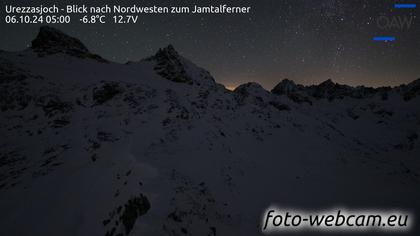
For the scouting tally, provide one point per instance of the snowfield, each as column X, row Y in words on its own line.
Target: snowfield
column 157, row 147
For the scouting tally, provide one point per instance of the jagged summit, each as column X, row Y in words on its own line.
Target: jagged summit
column 327, row 89
column 52, row 41
column 414, row 83
column 165, row 53
column 124, row 148
column 295, row 92
column 168, row 51
column 331, row 90
column 327, row 83
column 170, row 65
column 411, row 90
column 286, row 86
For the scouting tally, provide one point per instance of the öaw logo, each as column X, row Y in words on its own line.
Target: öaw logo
column 395, row 22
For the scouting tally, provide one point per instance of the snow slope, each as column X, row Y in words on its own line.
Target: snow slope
column 157, row 147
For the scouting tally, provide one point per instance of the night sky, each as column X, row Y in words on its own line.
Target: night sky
column 307, row 41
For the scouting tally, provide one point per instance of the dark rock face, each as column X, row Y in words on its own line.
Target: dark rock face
column 330, row 90
column 52, row 105
column 325, row 90
column 51, row 41
column 286, row 87
column 170, row 66
column 106, row 92
column 14, row 92
column 123, row 218
column 253, row 91
column 250, row 88
column 296, row 93
column 412, row 90
column 133, row 209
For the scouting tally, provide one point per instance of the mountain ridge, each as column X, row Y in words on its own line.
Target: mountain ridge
column 51, row 41
column 157, row 147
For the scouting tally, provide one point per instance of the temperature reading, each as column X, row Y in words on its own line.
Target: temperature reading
column 93, row 19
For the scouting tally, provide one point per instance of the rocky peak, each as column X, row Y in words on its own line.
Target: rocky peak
column 296, row 92
column 168, row 52
column 327, row 89
column 327, row 84
column 330, row 90
column 252, row 92
column 286, row 86
column 415, row 83
column 412, row 90
column 51, row 41
column 170, row 65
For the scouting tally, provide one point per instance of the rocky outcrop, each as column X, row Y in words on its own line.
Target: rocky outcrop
column 254, row 93
column 251, row 93
column 52, row 41
column 411, row 90
column 326, row 90
column 170, row 65
column 296, row 93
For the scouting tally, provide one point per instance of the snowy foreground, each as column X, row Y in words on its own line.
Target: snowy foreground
column 157, row 147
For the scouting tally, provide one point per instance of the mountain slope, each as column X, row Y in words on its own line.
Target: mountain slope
column 157, row 147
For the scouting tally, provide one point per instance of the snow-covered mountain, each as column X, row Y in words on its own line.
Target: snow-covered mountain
column 157, row 147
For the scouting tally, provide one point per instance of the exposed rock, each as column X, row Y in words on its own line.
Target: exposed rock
column 286, row 87
column 412, row 90
column 296, row 93
column 133, row 209
column 251, row 88
column 326, row 90
column 253, row 93
column 170, row 65
column 106, row 92
column 52, row 41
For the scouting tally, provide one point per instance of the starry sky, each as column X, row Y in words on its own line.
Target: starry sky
column 308, row 41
